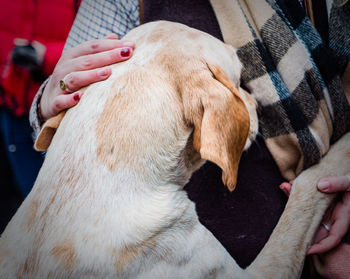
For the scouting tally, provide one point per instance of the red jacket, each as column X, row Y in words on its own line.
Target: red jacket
column 45, row 21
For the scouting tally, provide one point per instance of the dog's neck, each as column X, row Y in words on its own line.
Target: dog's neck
column 143, row 184
column 145, row 148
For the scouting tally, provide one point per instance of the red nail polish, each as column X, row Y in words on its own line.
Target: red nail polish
column 125, row 52
column 76, row 97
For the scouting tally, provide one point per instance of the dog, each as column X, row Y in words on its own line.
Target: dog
column 109, row 202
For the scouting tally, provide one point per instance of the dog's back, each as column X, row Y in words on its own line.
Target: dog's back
column 108, row 202
column 110, row 185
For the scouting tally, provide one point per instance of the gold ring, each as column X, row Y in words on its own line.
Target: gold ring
column 64, row 86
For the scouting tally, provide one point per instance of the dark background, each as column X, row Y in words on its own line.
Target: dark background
column 10, row 196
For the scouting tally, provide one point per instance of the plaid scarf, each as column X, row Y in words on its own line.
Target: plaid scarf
column 293, row 74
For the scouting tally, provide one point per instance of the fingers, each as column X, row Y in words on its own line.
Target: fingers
column 80, row 66
column 339, row 225
column 337, row 232
column 334, row 184
column 97, row 46
column 97, row 60
column 286, row 187
column 66, row 101
column 60, row 100
column 325, row 245
column 76, row 80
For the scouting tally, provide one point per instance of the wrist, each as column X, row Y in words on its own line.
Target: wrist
column 41, row 113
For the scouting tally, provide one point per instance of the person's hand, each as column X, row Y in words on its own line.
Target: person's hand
column 336, row 220
column 78, row 67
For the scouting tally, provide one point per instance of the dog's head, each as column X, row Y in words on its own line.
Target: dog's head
column 195, row 81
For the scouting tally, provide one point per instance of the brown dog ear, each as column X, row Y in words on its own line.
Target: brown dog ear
column 220, row 118
column 46, row 134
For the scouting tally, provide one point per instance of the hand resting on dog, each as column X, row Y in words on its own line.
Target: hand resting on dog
column 80, row 66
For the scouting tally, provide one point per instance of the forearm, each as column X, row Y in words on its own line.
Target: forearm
column 34, row 114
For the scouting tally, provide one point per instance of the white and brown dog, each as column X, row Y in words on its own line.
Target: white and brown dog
column 108, row 201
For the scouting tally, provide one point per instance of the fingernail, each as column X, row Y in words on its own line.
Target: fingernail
column 323, row 185
column 76, row 97
column 102, row 72
column 125, row 52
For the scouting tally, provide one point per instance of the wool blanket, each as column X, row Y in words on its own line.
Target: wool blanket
column 293, row 74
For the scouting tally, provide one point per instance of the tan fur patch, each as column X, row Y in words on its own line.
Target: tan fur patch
column 130, row 253
column 125, row 115
column 69, row 177
column 125, row 257
column 64, row 253
column 33, row 210
column 157, row 36
column 107, row 127
column 30, row 265
column 43, row 216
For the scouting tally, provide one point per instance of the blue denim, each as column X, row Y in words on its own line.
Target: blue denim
column 24, row 160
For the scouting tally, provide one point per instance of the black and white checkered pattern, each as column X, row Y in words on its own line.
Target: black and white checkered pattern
column 295, row 77
column 97, row 19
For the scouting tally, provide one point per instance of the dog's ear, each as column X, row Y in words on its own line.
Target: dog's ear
column 213, row 105
column 47, row 132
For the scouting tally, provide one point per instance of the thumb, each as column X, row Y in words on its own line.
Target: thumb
column 334, row 184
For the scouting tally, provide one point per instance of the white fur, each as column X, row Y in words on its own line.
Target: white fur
column 134, row 220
